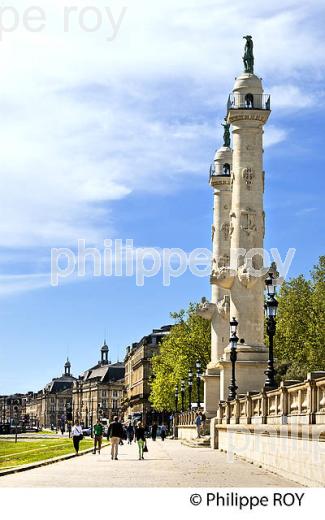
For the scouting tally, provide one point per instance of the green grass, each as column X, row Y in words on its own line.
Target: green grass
column 25, row 452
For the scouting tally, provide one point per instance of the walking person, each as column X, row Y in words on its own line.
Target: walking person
column 130, row 433
column 203, row 421
column 154, row 429
column 163, row 432
column 115, row 434
column 140, row 438
column 98, row 436
column 198, row 422
column 77, row 435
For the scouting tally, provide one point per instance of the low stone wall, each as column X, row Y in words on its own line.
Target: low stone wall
column 294, row 451
column 187, row 432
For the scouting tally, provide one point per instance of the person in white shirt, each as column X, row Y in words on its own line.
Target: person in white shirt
column 76, row 435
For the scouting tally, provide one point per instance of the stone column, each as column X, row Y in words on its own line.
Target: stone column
column 248, row 111
column 218, row 310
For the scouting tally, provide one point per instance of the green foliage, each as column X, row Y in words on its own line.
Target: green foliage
column 188, row 341
column 300, row 337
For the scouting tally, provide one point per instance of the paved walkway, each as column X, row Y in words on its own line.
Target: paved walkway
column 167, row 464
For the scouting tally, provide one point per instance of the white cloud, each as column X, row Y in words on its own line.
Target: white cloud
column 274, row 135
column 86, row 121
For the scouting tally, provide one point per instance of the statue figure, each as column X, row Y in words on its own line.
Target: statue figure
column 248, row 57
column 226, row 134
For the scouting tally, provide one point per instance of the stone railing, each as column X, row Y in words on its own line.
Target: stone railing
column 185, row 419
column 291, row 403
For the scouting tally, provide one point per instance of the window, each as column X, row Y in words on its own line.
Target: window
column 115, row 393
column 226, row 169
column 249, row 101
column 104, row 403
column 104, row 393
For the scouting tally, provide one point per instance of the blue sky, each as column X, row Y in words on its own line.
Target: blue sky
column 113, row 139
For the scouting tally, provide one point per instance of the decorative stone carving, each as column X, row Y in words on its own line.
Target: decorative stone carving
column 225, row 229
column 248, row 221
column 206, row 310
column 231, row 227
column 212, row 232
column 223, row 306
column 223, row 277
column 223, row 261
column 248, row 176
column 247, row 276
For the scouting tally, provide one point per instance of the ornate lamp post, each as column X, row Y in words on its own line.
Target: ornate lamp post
column 190, row 387
column 183, row 394
column 233, row 358
column 271, row 307
column 176, row 398
column 198, row 382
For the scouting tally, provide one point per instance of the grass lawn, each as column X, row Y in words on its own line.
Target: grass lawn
column 25, row 452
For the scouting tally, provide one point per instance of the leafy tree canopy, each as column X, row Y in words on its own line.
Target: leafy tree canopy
column 300, row 336
column 188, row 341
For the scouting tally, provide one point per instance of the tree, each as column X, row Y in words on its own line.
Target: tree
column 300, row 338
column 188, row 341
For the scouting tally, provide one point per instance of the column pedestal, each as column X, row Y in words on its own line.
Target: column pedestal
column 211, row 390
column 250, row 366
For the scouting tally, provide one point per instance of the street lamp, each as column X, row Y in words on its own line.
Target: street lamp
column 271, row 308
column 198, row 382
column 233, row 358
column 190, row 387
column 176, row 398
column 183, row 394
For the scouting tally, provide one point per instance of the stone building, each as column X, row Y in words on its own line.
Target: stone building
column 12, row 408
column 52, row 404
column 138, row 373
column 98, row 391
column 237, row 179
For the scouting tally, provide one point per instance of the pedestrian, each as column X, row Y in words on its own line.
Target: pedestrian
column 163, row 432
column 154, row 429
column 98, row 436
column 130, row 433
column 203, row 420
column 77, row 435
column 198, row 424
column 115, row 434
column 140, row 438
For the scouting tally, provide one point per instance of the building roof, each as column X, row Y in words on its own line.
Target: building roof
column 151, row 339
column 58, row 384
column 105, row 373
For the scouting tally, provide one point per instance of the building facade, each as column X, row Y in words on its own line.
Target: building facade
column 138, row 361
column 98, row 392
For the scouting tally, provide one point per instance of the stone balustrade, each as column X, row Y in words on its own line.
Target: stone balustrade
column 185, row 419
column 291, row 403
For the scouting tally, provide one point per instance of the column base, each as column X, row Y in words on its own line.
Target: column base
column 211, row 390
column 250, row 366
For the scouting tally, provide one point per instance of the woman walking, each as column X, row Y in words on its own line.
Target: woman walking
column 139, row 435
column 77, row 435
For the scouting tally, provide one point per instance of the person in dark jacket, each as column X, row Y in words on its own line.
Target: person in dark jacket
column 140, row 437
column 154, row 431
column 115, row 434
column 163, row 432
column 130, row 433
